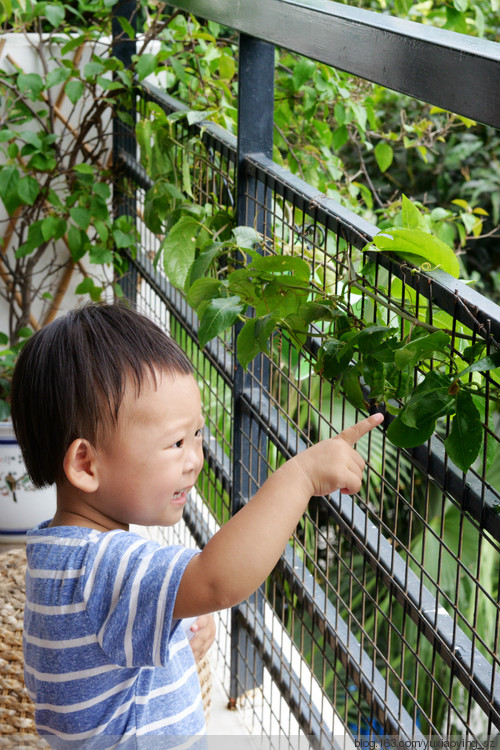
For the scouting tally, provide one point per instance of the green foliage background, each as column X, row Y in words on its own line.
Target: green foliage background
column 361, row 144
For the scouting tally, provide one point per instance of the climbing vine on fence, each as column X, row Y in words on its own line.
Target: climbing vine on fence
column 420, row 373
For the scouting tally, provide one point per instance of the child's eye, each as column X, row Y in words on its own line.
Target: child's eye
column 178, row 444
column 198, row 433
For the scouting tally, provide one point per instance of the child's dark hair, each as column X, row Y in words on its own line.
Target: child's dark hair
column 71, row 375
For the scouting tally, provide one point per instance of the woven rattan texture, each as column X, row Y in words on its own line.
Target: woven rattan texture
column 17, row 712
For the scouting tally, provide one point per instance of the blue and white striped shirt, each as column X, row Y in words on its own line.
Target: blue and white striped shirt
column 104, row 660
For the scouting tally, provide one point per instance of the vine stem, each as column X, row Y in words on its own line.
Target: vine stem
column 402, row 314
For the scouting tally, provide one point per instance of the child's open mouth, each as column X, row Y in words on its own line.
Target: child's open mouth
column 181, row 495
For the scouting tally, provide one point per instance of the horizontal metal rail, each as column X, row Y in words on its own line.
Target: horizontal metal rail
column 408, row 57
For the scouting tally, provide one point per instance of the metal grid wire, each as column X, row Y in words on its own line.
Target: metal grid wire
column 382, row 616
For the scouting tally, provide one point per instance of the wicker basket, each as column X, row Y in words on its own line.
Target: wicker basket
column 17, row 712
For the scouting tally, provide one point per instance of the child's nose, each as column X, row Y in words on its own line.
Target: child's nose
column 194, row 459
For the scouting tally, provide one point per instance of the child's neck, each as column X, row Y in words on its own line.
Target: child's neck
column 63, row 518
column 74, row 509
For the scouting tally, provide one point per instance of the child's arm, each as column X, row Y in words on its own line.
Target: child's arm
column 240, row 556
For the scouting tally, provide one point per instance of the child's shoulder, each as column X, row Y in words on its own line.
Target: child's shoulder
column 64, row 543
column 67, row 544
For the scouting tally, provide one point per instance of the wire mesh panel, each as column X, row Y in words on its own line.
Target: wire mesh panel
column 381, row 618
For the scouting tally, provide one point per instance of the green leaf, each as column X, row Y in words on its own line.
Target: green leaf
column 9, row 180
column 491, row 362
column 464, row 441
column 102, row 189
column 416, row 422
column 263, row 329
column 246, row 237
column 203, row 289
column 74, row 90
column 146, row 65
column 374, row 374
column 302, row 72
column 85, row 286
column 204, row 260
column 77, row 241
column 84, row 169
column 333, row 358
column 178, row 250
column 403, row 436
column 227, row 67
column 30, row 84
column 57, row 76
column 421, row 348
column 412, row 218
column 219, row 315
column 54, row 13
column 73, row 43
column 247, row 345
column 123, row 239
column 384, row 155
column 352, row 388
column 34, row 240
column 53, row 227
column 80, row 216
column 419, row 248
column 93, row 68
column 369, row 339
column 28, row 189
column 340, row 137
column 100, row 255
column 195, row 116
column 6, row 135
column 126, row 26
column 281, row 264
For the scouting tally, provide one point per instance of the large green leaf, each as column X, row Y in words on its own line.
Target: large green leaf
column 416, row 422
column 204, row 260
column 219, row 315
column 422, row 347
column 419, row 248
column 466, row 435
column 178, row 249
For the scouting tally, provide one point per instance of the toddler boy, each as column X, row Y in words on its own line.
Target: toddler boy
column 105, row 405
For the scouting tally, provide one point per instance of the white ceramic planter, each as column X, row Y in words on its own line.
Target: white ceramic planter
column 22, row 506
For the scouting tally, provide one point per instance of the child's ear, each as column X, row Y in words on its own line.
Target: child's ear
column 80, row 465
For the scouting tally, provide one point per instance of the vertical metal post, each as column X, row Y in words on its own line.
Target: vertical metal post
column 255, row 135
column 124, row 201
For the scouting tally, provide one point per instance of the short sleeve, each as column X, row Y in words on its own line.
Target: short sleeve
column 129, row 590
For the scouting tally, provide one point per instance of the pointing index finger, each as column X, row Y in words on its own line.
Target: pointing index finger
column 352, row 434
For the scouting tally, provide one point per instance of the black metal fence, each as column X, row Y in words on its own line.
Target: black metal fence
column 382, row 616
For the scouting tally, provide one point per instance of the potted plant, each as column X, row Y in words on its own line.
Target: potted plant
column 61, row 238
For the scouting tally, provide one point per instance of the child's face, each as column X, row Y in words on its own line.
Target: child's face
column 153, row 457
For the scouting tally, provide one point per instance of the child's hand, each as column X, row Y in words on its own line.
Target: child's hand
column 334, row 464
column 204, row 635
